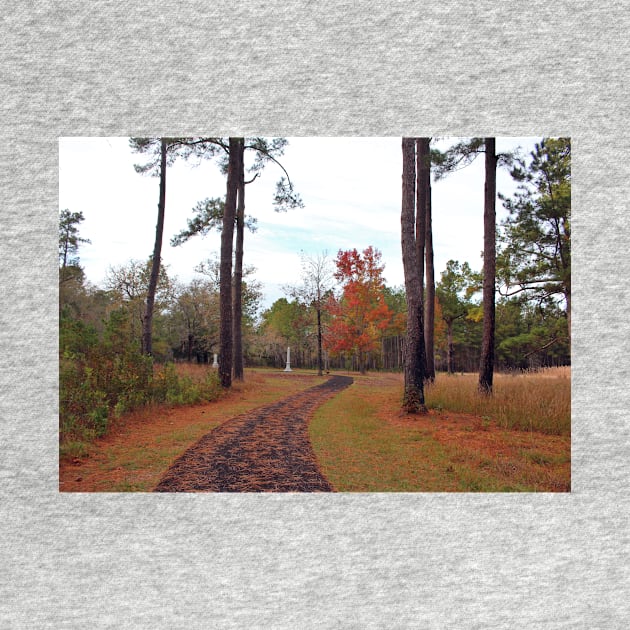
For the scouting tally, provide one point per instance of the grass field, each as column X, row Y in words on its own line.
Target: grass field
column 465, row 443
column 518, row 440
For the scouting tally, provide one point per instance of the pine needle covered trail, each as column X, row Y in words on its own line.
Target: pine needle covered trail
column 264, row 450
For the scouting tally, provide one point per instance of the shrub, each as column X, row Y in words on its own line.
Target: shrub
column 96, row 387
column 101, row 378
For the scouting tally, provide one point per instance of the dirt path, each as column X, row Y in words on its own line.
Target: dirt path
column 265, row 450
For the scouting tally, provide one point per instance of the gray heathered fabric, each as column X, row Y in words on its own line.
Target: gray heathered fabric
column 300, row 68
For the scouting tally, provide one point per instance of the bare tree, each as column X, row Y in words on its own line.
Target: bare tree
column 317, row 280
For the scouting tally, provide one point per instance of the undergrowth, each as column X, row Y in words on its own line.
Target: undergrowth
column 92, row 392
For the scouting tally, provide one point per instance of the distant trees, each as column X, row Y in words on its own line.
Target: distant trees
column 361, row 322
column 287, row 323
column 72, row 293
column 195, row 319
column 128, row 286
column 453, row 292
column 529, row 289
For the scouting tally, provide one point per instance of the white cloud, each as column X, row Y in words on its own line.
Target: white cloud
column 351, row 188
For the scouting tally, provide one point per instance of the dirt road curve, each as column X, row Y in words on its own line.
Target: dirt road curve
column 265, row 450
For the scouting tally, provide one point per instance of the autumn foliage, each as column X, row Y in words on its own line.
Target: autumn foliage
column 359, row 316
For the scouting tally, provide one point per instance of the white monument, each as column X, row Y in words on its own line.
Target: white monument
column 215, row 363
column 288, row 368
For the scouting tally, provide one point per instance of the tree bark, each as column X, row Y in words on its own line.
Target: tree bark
column 567, row 296
column 225, row 273
column 320, row 361
column 429, row 303
column 486, row 363
column 361, row 362
column 237, row 323
column 147, row 320
column 423, row 170
column 413, row 398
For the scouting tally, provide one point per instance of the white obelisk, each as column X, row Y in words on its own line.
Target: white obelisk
column 215, row 363
column 288, row 368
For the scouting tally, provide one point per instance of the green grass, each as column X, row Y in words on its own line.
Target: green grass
column 358, row 452
column 362, row 445
column 73, row 449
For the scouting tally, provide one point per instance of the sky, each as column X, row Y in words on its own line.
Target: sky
column 351, row 189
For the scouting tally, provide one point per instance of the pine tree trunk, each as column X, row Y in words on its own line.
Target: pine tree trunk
column 429, row 302
column 147, row 320
column 567, row 296
column 423, row 170
column 486, row 363
column 413, row 398
column 320, row 361
column 451, row 351
column 237, row 323
column 225, row 274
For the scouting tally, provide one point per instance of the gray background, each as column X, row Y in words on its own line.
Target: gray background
column 301, row 68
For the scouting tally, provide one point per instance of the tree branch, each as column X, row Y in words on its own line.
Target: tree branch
column 550, row 343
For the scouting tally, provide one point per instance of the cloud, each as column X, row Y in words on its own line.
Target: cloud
column 351, row 188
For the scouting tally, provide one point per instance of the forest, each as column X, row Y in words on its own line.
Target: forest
column 144, row 338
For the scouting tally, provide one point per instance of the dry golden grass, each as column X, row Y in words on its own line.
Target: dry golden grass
column 535, row 401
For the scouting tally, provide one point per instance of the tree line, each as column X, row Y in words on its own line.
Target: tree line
column 513, row 313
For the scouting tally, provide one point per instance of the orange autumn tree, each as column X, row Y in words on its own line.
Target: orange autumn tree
column 360, row 315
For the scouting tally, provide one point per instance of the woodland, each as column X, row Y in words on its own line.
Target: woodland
column 124, row 345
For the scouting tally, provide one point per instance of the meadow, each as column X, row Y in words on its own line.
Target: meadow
column 517, row 440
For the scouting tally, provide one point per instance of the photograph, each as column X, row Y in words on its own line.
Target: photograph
column 315, row 314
